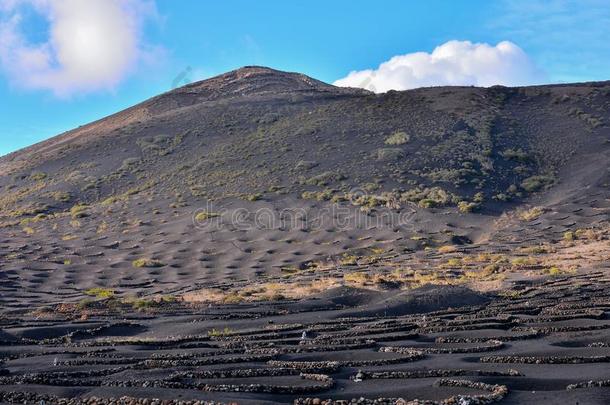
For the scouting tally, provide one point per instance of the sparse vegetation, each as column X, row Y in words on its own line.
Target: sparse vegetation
column 60, row 196
column 537, row 183
column 35, row 219
column 447, row 249
column 147, row 263
column 555, row 271
column 324, row 195
column 233, row 298
column 375, row 268
column 323, row 179
column 159, row 145
column 79, row 211
column 220, row 332
column 100, row 293
column 146, row 304
column 348, row 260
column 524, row 262
column 397, row 138
column 430, row 197
column 38, row 176
column 466, row 207
column 129, row 164
column 516, row 154
column 29, row 230
column 205, row 215
column 253, row 197
column 532, row 213
column 357, row 277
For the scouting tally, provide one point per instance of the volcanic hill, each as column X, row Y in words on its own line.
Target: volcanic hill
column 270, row 219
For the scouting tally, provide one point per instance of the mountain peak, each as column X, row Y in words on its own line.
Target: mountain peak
column 253, row 80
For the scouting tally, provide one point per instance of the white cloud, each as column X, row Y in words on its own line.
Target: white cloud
column 91, row 45
column 450, row 64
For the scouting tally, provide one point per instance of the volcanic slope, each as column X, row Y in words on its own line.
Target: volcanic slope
column 263, row 237
column 258, row 174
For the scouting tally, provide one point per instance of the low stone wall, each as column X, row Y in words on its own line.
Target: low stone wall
column 589, row 384
column 20, row 397
column 496, row 393
column 326, row 366
column 147, row 364
column 60, row 378
column 545, row 359
column 23, row 355
column 431, row 373
column 558, row 329
column 490, row 346
column 534, row 334
column 460, row 328
column 175, row 380
column 407, row 356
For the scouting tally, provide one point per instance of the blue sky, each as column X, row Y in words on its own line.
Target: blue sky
column 56, row 73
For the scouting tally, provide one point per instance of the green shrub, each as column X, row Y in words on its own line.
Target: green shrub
column 79, row 211
column 501, row 197
column 159, row 145
column 427, row 203
column 202, row 216
column 368, row 201
column 397, row 138
column 37, row 218
column 217, row 333
column 522, row 170
column 101, row 293
column 348, row 260
column 141, row 304
column 112, row 199
column 455, row 176
column 38, row 176
column 129, row 164
column 465, row 206
column 357, row 277
column 524, row 262
column 430, row 197
column 233, row 298
column 370, row 187
column 144, row 303
column 60, row 196
column 253, row 197
column 324, row 195
column 536, row 183
column 147, row 263
column 515, row 154
column 531, row 214
column 337, row 198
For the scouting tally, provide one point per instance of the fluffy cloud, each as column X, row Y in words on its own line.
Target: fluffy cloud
column 450, row 64
column 91, row 45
